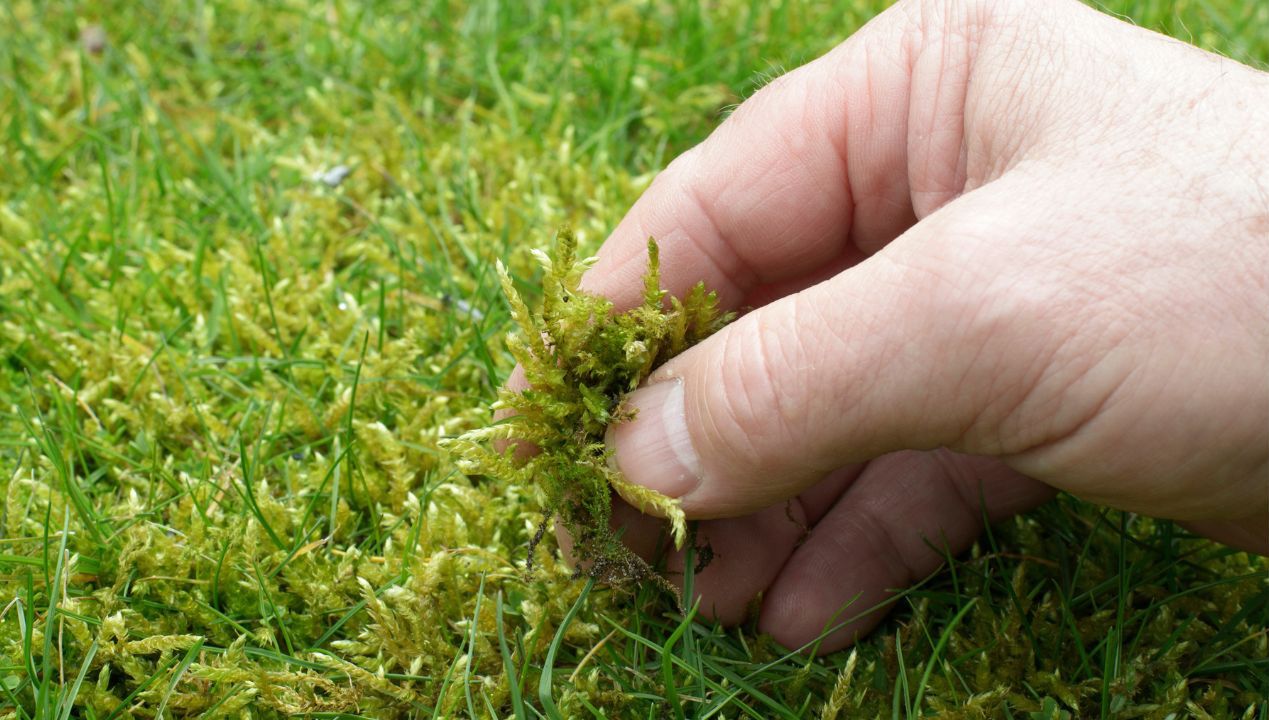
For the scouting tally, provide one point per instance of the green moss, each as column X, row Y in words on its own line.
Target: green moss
column 223, row 386
column 580, row 358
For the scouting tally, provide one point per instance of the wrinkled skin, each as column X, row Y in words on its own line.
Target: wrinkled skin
column 995, row 249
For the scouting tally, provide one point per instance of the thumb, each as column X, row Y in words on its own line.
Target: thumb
column 897, row 352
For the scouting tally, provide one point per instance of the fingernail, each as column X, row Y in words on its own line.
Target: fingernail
column 654, row 450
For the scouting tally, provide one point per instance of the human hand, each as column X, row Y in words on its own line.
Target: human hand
column 995, row 248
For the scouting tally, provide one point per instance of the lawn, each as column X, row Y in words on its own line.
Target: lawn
column 247, row 291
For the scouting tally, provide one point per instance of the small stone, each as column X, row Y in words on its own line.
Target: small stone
column 467, row 309
column 332, row 177
column 93, row 39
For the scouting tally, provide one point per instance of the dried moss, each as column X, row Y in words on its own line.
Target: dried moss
column 580, row 358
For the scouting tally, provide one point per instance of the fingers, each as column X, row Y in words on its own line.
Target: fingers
column 743, row 555
column 901, row 351
column 1250, row 534
column 893, row 526
column 747, row 553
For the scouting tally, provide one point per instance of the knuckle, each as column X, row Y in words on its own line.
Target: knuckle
column 758, row 407
column 961, row 16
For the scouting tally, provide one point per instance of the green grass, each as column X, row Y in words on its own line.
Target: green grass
column 223, row 384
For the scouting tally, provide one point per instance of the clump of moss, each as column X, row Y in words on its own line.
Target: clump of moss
column 580, row 358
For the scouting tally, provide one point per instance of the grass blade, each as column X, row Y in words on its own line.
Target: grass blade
column 548, row 665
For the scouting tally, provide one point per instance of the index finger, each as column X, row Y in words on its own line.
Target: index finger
column 805, row 172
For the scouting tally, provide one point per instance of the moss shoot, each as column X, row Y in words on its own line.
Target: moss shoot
column 580, row 358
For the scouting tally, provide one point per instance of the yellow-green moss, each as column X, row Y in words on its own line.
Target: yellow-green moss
column 580, row 358
column 224, row 382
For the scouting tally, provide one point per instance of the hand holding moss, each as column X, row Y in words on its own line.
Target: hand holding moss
column 995, row 248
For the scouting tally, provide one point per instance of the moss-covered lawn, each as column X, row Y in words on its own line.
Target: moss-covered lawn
column 246, row 288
